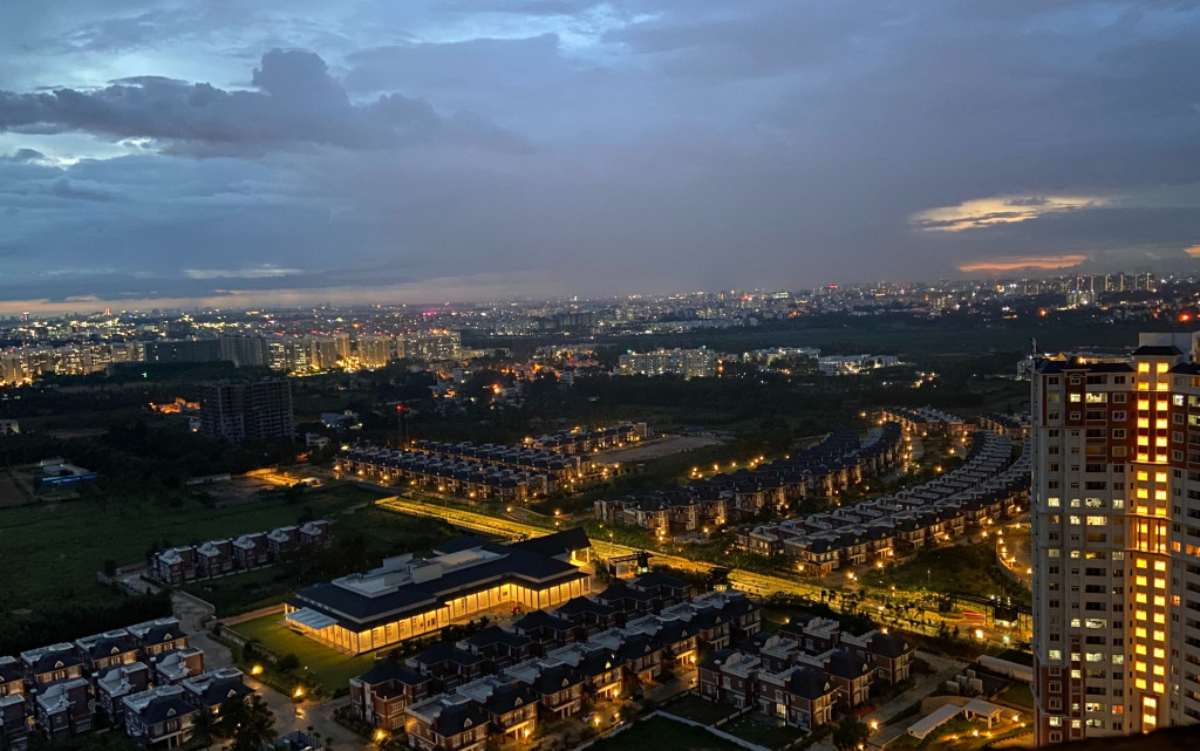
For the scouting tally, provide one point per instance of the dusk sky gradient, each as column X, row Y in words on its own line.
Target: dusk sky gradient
column 270, row 152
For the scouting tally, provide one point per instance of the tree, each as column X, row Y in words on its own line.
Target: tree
column 850, row 734
column 249, row 723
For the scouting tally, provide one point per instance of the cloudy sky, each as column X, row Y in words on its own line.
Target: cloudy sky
column 286, row 151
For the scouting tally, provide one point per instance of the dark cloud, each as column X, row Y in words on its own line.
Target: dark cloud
column 297, row 102
column 663, row 144
column 23, row 155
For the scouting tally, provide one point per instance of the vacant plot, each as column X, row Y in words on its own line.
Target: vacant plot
column 657, row 448
column 332, row 669
column 11, row 494
column 62, row 546
column 659, row 732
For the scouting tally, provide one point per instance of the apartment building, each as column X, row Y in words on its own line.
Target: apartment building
column 689, row 363
column 248, row 411
column 1116, row 486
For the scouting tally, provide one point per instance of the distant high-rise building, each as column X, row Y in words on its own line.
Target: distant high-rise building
column 374, row 351
column 248, row 411
column 183, row 351
column 323, row 353
column 1116, row 541
column 433, row 346
column 689, row 363
column 244, row 351
column 288, row 355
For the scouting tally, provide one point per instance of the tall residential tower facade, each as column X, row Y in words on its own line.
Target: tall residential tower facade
column 1116, row 539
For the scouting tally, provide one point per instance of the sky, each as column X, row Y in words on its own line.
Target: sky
column 160, row 153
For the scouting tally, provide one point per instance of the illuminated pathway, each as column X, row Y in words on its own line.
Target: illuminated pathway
column 747, row 581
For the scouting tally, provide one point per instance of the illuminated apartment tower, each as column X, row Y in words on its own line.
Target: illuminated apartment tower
column 1116, row 538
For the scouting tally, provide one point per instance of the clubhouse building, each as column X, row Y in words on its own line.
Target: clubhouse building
column 409, row 597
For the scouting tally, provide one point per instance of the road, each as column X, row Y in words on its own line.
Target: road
column 194, row 614
column 747, row 581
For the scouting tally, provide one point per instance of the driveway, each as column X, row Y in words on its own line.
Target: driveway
column 193, row 613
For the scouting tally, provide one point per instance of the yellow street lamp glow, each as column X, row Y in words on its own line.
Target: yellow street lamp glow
column 256, row 670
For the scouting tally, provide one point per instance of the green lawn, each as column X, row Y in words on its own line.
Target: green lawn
column 332, row 669
column 762, row 730
column 693, row 707
column 961, row 569
column 659, row 732
column 62, row 546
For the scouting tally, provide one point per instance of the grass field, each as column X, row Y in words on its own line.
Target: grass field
column 62, row 546
column 692, row 707
column 762, row 730
column 660, row 732
column 332, row 669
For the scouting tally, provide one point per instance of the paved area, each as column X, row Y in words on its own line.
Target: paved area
column 289, row 716
column 656, row 448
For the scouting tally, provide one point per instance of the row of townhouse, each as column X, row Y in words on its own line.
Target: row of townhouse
column 446, row 474
column 586, row 441
column 838, row 462
column 806, row 671
column 925, row 421
column 1015, row 427
column 220, row 557
column 988, row 486
column 500, row 682
column 57, row 690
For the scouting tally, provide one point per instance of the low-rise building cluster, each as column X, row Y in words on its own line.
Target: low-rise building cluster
column 806, row 670
column 1013, row 426
column 472, row 470
column 839, row 461
column 926, row 421
column 586, row 441
column 144, row 679
column 229, row 555
column 988, row 486
column 849, row 365
column 499, row 683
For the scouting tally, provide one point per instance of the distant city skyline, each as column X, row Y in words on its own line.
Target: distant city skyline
column 174, row 153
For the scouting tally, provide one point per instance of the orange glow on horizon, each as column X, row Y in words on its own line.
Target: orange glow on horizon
column 1022, row 263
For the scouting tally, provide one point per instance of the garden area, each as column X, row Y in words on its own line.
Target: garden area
column 960, row 569
column 694, row 708
column 659, row 732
